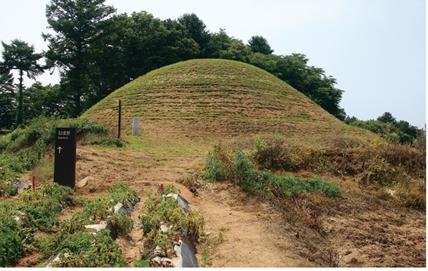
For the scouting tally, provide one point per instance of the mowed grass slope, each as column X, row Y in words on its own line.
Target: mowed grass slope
column 216, row 99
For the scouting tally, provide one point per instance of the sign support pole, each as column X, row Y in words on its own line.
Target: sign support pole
column 119, row 119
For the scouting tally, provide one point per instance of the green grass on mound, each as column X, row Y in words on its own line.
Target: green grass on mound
column 213, row 98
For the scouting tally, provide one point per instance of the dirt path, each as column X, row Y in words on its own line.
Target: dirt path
column 251, row 230
column 253, row 235
column 132, row 247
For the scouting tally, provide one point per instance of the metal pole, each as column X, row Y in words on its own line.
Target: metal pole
column 119, row 120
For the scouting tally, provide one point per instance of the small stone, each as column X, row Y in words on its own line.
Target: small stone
column 391, row 192
column 22, row 185
column 96, row 227
column 83, row 182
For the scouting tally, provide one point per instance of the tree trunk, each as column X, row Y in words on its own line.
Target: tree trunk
column 78, row 80
column 20, row 113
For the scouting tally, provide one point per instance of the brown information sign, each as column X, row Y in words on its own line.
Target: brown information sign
column 65, row 157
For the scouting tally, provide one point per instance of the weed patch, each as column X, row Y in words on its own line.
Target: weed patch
column 217, row 165
column 77, row 247
column 34, row 210
column 266, row 184
column 83, row 249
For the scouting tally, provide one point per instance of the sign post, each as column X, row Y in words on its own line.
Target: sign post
column 65, row 157
column 119, row 118
column 135, row 126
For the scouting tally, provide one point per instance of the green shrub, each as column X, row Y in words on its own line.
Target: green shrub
column 120, row 225
column 7, row 181
column 40, row 209
column 275, row 155
column 170, row 189
column 44, row 205
column 411, row 195
column 121, row 192
column 381, row 173
column 245, row 173
column 57, row 193
column 266, row 184
column 98, row 208
column 217, row 168
column 142, row 263
column 111, row 142
column 83, row 249
column 80, row 248
column 11, row 241
column 291, row 186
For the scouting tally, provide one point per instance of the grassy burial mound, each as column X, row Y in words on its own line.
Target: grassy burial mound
column 213, row 98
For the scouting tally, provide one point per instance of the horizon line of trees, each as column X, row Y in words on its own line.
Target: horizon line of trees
column 97, row 51
column 393, row 130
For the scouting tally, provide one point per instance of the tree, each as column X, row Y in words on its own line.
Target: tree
column 45, row 101
column 7, row 101
column 312, row 82
column 259, row 44
column 218, row 41
column 133, row 45
column 387, row 118
column 391, row 129
column 235, row 50
column 20, row 56
column 196, row 29
column 77, row 24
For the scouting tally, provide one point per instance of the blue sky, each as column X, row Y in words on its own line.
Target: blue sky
column 374, row 48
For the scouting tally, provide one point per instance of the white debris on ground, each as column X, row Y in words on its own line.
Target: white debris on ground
column 164, row 228
column 83, row 182
column 123, row 209
column 391, row 192
column 97, row 227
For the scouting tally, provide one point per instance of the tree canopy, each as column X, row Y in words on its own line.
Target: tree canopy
column 77, row 25
column 389, row 128
column 98, row 50
column 259, row 44
column 20, row 56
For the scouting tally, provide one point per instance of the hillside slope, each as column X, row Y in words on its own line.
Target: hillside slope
column 213, row 98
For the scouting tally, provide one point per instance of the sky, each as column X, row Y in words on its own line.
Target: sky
column 374, row 48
